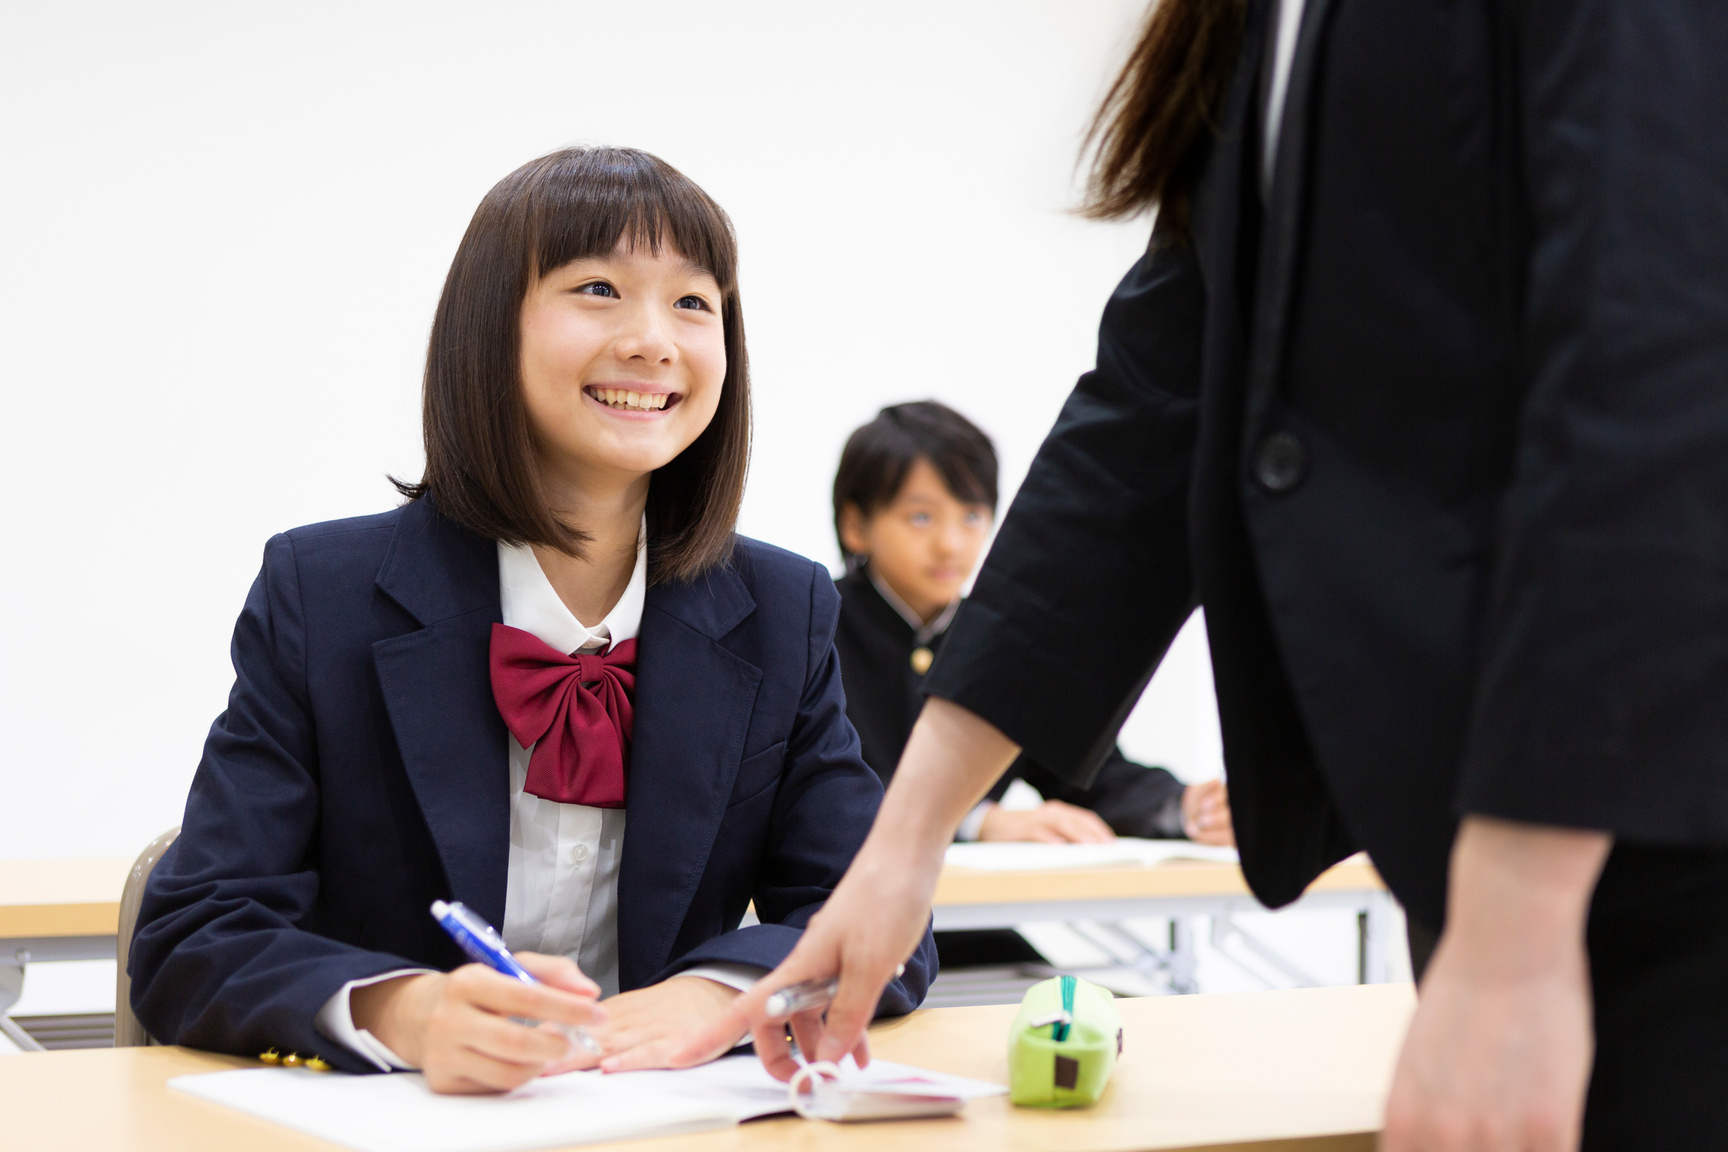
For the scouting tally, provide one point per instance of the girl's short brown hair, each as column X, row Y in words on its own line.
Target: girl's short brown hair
column 575, row 203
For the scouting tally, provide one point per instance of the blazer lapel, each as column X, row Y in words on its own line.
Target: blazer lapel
column 1280, row 235
column 1218, row 209
column 693, row 702
column 437, row 689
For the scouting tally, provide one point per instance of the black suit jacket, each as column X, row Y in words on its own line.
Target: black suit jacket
column 361, row 771
column 1439, row 439
column 884, row 694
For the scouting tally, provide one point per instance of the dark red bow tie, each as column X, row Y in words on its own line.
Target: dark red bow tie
column 575, row 711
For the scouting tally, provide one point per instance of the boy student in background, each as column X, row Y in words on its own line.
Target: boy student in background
column 914, row 498
column 553, row 685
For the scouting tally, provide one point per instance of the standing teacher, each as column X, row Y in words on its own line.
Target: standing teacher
column 1421, row 391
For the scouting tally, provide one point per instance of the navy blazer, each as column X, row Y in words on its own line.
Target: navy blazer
column 361, row 771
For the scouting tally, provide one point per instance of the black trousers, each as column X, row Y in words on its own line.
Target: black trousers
column 1658, row 941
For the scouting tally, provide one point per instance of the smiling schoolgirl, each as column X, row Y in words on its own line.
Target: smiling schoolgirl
column 553, row 685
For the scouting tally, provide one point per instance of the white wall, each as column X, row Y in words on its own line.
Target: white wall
column 223, row 228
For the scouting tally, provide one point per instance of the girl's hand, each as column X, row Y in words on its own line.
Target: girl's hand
column 1052, row 822
column 651, row 1027
column 456, row 1027
column 1206, row 814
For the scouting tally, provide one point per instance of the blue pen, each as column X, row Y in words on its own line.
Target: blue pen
column 483, row 945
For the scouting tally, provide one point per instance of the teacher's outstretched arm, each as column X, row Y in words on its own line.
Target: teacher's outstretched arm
column 1095, row 551
column 878, row 914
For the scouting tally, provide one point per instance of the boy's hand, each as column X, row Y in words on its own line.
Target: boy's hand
column 1052, row 822
column 1206, row 814
column 651, row 1027
column 456, row 1027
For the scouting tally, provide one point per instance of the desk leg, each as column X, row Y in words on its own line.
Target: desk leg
column 1374, row 926
column 11, row 988
column 1184, row 959
column 1176, row 965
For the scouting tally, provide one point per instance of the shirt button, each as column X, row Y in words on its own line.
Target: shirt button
column 579, row 854
column 1280, row 462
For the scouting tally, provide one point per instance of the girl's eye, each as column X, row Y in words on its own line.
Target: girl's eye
column 695, row 302
column 598, row 288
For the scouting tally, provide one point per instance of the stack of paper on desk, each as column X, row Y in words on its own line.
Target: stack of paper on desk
column 1003, row 856
column 399, row 1113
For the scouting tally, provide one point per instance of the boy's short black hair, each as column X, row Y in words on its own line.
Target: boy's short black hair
column 877, row 456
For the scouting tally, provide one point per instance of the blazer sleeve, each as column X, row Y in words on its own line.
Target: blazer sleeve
column 826, row 801
column 1095, row 547
column 1134, row 799
column 224, row 956
column 1599, row 700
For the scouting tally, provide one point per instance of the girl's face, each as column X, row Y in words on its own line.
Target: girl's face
column 923, row 543
column 623, row 357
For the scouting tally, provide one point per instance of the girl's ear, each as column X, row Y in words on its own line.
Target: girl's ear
column 854, row 530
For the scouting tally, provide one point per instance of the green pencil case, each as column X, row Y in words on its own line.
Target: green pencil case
column 1064, row 1044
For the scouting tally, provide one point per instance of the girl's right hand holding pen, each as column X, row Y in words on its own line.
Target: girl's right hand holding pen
column 457, row 1027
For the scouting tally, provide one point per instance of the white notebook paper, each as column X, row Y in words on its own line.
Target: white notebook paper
column 399, row 1113
column 1007, row 856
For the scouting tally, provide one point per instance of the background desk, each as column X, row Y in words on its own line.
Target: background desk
column 54, row 910
column 60, row 909
column 1177, row 889
column 1300, row 1070
column 69, row 909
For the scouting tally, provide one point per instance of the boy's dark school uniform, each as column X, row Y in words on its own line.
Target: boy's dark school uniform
column 885, row 691
column 884, row 678
column 361, row 771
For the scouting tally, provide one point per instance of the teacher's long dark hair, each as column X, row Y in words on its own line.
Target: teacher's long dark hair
column 1161, row 108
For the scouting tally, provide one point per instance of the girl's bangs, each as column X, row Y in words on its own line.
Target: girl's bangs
column 583, row 204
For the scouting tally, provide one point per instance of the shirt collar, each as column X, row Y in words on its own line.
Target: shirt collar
column 530, row 603
column 922, row 633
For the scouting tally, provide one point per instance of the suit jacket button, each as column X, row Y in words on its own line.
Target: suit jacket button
column 1280, row 462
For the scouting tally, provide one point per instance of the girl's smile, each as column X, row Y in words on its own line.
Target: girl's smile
column 633, row 398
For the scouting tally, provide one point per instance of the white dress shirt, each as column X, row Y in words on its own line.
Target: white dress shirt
column 561, row 893
column 1286, row 24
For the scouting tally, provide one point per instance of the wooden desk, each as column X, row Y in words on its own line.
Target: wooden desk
column 60, row 909
column 1298, row 1071
column 1177, row 889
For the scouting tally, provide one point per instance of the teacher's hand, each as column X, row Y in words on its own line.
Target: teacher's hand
column 1498, row 1056
column 881, row 908
column 868, row 928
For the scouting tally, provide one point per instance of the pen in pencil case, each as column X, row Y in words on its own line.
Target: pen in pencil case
column 483, row 945
column 806, row 996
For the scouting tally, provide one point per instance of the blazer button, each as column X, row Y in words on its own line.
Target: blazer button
column 1280, row 462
